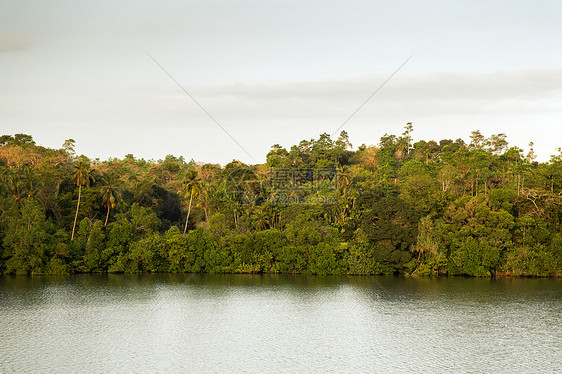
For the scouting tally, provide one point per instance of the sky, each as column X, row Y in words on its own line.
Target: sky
column 152, row 78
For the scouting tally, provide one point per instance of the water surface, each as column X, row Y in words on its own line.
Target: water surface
column 252, row 323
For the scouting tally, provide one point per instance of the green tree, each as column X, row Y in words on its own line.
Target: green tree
column 27, row 236
column 94, row 248
column 343, row 179
column 391, row 226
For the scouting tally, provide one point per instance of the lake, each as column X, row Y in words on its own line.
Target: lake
column 254, row 323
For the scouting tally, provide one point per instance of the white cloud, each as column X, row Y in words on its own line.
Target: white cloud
column 435, row 94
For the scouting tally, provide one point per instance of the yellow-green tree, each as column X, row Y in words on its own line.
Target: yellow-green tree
column 109, row 193
column 192, row 187
column 82, row 176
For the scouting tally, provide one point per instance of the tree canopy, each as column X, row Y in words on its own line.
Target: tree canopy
column 401, row 206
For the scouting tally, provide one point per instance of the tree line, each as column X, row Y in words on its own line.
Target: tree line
column 446, row 207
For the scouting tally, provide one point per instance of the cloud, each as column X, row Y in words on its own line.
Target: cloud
column 528, row 91
column 13, row 43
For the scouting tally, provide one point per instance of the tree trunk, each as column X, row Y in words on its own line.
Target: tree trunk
column 188, row 211
column 206, row 214
column 76, row 216
column 107, row 215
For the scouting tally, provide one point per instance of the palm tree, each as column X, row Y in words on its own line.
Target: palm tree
column 260, row 218
column 82, row 176
column 344, row 179
column 426, row 242
column 109, row 193
column 13, row 185
column 20, row 183
column 30, row 181
column 205, row 203
column 192, row 187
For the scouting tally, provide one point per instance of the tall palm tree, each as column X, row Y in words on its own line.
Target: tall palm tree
column 109, row 193
column 82, row 176
column 192, row 186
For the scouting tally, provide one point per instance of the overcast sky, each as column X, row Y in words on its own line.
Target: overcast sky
column 277, row 72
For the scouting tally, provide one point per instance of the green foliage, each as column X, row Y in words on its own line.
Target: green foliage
column 391, row 227
column 318, row 207
column 94, row 248
column 430, row 257
column 27, row 235
column 471, row 257
column 148, row 255
column 476, row 235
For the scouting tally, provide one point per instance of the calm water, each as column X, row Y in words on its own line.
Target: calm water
column 243, row 323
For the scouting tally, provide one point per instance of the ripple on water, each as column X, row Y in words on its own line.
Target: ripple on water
column 240, row 323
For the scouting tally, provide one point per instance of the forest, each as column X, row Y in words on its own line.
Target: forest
column 423, row 208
